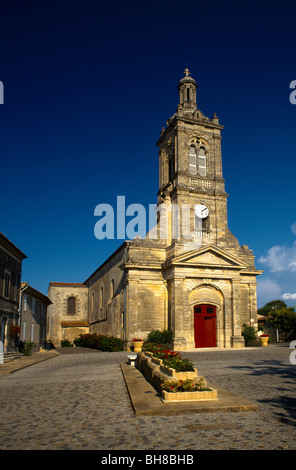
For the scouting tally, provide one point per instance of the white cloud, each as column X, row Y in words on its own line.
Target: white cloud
column 280, row 258
column 293, row 228
column 267, row 290
column 288, row 296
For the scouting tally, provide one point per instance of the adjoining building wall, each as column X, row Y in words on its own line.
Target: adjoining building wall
column 106, row 298
column 10, row 282
column 67, row 318
column 33, row 316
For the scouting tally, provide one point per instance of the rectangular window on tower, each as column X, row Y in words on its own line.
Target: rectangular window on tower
column 171, row 168
column 202, row 170
column 192, row 161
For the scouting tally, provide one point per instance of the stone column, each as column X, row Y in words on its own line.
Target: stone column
column 177, row 311
column 237, row 340
column 131, row 309
column 253, row 305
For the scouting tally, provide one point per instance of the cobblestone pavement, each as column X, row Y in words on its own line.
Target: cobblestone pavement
column 79, row 401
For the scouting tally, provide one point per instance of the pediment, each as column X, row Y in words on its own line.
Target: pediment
column 211, row 257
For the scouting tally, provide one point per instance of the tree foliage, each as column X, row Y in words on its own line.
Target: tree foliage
column 283, row 319
column 271, row 306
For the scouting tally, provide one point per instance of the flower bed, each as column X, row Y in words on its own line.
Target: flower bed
column 170, row 359
column 182, row 375
column 173, row 385
column 184, row 386
column 187, row 390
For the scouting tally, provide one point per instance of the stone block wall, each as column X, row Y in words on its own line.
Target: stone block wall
column 59, row 293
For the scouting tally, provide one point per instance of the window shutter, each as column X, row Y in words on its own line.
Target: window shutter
column 192, row 161
column 202, row 162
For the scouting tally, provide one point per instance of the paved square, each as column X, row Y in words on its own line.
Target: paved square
column 79, row 400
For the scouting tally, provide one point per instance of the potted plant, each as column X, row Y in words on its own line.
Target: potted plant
column 264, row 340
column 137, row 344
column 14, row 331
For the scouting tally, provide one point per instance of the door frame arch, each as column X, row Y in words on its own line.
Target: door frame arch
column 209, row 294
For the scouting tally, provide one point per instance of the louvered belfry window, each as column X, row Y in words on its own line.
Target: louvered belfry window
column 202, row 166
column 192, row 161
column 71, row 307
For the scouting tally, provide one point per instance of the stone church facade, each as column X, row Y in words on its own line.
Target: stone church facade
column 193, row 276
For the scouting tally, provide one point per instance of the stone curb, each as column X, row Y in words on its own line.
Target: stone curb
column 146, row 401
column 26, row 361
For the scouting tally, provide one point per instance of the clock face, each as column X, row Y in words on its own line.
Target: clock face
column 201, row 211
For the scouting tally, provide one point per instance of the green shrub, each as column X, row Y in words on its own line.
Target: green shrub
column 27, row 347
column 160, row 337
column 102, row 342
column 65, row 343
column 110, row 343
column 249, row 334
column 89, row 340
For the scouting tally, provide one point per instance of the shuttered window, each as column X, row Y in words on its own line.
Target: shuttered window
column 7, row 284
column 32, row 331
column 202, row 170
column 71, row 306
column 192, row 161
column 24, row 332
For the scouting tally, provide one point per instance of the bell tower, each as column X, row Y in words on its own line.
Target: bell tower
column 210, row 278
column 187, row 93
column 190, row 174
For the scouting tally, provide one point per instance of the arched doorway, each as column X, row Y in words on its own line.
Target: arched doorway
column 205, row 326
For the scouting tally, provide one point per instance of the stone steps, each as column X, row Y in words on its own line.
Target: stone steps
column 9, row 357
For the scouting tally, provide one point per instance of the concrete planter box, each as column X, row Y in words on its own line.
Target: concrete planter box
column 156, row 373
column 156, row 361
column 148, row 354
column 190, row 396
column 178, row 375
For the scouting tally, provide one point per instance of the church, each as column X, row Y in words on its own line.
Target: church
column 192, row 277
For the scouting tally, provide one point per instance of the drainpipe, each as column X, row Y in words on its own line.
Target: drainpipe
column 20, row 303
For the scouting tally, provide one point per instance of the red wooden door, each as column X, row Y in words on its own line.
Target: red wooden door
column 205, row 326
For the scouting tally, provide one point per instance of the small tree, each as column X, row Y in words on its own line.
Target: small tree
column 283, row 319
column 271, row 306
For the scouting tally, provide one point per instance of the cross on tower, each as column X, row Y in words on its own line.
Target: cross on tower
column 187, row 71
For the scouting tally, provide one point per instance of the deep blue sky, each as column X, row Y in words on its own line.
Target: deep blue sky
column 88, row 86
